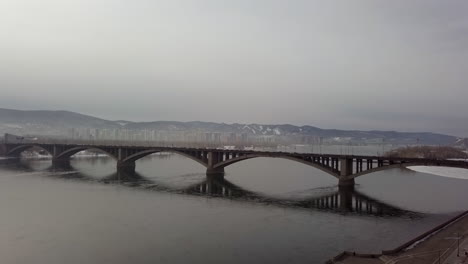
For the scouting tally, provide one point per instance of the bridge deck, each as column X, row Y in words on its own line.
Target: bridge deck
column 270, row 153
column 343, row 167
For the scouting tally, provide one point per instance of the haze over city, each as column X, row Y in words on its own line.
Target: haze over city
column 387, row 65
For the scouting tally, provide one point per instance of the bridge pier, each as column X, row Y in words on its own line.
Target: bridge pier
column 61, row 164
column 346, row 166
column 124, row 175
column 346, row 170
column 215, row 173
column 346, row 183
column 213, row 158
column 128, row 167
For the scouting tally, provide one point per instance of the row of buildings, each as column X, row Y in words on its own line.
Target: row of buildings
column 187, row 136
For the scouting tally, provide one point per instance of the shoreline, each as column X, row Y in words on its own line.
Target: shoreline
column 418, row 241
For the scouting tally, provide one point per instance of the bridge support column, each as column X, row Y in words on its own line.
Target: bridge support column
column 346, row 184
column 346, row 166
column 215, row 173
column 128, row 166
column 61, row 164
column 213, row 159
column 346, row 170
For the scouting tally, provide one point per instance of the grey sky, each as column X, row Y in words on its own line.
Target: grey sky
column 398, row 65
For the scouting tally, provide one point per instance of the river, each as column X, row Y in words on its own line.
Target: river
column 265, row 211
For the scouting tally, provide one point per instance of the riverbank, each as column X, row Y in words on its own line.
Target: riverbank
column 428, row 152
column 438, row 245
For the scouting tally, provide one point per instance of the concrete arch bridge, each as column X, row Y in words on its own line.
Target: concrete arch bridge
column 345, row 168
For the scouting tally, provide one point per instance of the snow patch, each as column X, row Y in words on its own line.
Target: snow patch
column 456, row 173
column 229, row 147
column 251, row 129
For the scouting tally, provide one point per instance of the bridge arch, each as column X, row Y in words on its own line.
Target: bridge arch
column 328, row 170
column 72, row 151
column 134, row 157
column 16, row 151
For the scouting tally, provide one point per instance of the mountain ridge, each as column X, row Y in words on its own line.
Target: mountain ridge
column 58, row 122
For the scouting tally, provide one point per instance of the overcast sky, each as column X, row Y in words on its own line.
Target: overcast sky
column 393, row 65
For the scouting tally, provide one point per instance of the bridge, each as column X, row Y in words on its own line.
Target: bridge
column 345, row 168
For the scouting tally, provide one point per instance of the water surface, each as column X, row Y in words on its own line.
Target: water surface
column 265, row 211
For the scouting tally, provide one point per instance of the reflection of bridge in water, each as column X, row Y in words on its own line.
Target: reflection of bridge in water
column 334, row 199
column 344, row 200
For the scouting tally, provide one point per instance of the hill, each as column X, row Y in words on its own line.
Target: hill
column 60, row 123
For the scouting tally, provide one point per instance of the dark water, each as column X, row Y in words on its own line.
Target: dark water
column 265, row 211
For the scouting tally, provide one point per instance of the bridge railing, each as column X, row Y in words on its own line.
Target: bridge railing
column 13, row 139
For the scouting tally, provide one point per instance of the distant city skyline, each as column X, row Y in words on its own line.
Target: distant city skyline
column 75, row 126
column 260, row 123
column 361, row 65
